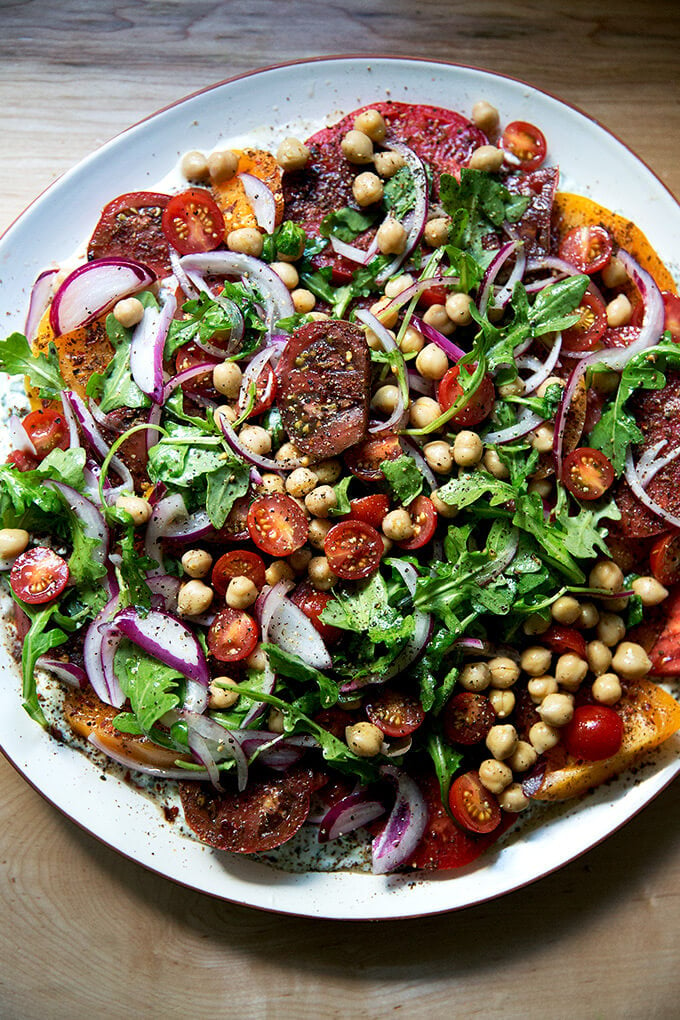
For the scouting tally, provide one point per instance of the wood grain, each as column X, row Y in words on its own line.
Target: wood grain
column 84, row 932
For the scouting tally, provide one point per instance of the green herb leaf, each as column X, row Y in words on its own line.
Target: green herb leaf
column 403, row 477
column 346, row 224
column 151, row 686
column 17, row 358
column 296, row 668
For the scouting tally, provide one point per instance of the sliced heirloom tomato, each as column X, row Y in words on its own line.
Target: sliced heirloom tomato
column 38, row 575
column 22, row 461
column 192, row 222
column 622, row 336
column 370, row 509
column 265, row 392
column 424, row 518
column 191, row 356
column 480, row 403
column 364, row 459
column 671, row 303
column 396, row 714
column 232, row 636
column 131, row 227
column 595, row 732
column 353, row 550
column 664, row 558
column 237, row 563
column 472, row 805
column 587, row 473
column 468, row 718
column 47, row 430
column 564, row 639
column 277, row 525
column 589, row 330
column 525, row 144
column 312, row 603
column 588, row 248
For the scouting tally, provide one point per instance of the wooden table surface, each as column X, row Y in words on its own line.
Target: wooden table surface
column 84, row 932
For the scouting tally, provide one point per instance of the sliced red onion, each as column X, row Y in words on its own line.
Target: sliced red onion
column 270, row 599
column 165, row 590
column 412, row 451
column 505, row 252
column 41, row 295
column 276, row 296
column 19, row 437
column 147, row 347
column 418, row 218
column 183, row 280
column 222, row 743
column 503, row 560
column 652, row 320
column 503, row 296
column 90, row 289
column 201, row 751
column 266, row 463
column 261, row 201
column 111, row 638
column 74, row 676
column 128, row 761
column 94, row 437
column 94, row 525
column 205, row 368
column 410, row 652
column 647, row 458
column 452, row 350
column 257, row 708
column 271, row 749
column 526, row 423
column 528, row 363
column 154, row 418
column 386, row 339
column 470, row 644
column 252, row 373
column 647, row 469
column 170, row 519
column 636, row 485
column 405, row 826
column 552, row 262
column 295, row 633
column 107, row 690
column 167, row 639
column 73, row 433
column 542, row 373
column 418, row 288
column 418, row 384
column 349, row 251
column 349, row 814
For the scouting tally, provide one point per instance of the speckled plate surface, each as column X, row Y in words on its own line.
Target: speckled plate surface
column 262, row 108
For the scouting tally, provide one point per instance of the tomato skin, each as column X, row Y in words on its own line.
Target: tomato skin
column 397, row 715
column 587, row 473
column 472, row 805
column 190, row 356
column 623, row 336
column 370, row 509
column 595, row 732
column 277, row 525
column 664, row 558
column 424, row 517
column 467, row 718
column 232, row 636
column 235, row 528
column 436, row 295
column 364, row 460
column 237, row 563
column 525, row 144
column 312, row 603
column 588, row 248
column 38, row 575
column 130, row 227
column 22, row 461
column 193, row 222
column 47, row 430
column 265, row 392
column 589, row 330
column 480, row 404
column 564, row 639
column 353, row 549
column 672, row 313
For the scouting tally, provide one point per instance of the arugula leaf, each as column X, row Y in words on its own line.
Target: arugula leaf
column 133, row 568
column 290, row 665
column 399, row 193
column 37, row 642
column 115, row 387
column 434, row 693
column 403, row 477
column 583, row 535
column 223, row 487
column 468, row 488
column 17, row 358
column 552, row 538
column 342, row 506
column 289, row 239
column 346, row 224
column 365, row 608
column 151, row 686
column 478, row 206
column 446, row 761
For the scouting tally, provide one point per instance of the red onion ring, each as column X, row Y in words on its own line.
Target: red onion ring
column 94, row 525
column 222, row 743
column 349, row 251
column 636, row 485
column 349, row 814
column 266, row 463
column 419, row 216
column 147, row 347
column 19, row 437
column 261, row 201
column 74, row 676
column 277, row 299
column 500, row 258
column 526, row 423
column 41, row 295
column 543, row 373
column 92, row 288
column 453, row 351
column 167, row 639
column 405, row 825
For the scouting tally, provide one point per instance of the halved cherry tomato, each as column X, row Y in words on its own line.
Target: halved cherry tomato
column 312, row 603
column 237, row 563
column 587, row 473
column 664, row 558
column 265, row 391
column 277, row 525
column 130, row 227
column 468, row 718
column 364, row 460
column 622, row 336
column 235, row 528
column 232, row 635
column 38, row 575
column 586, row 333
column 589, row 248
column 564, row 639
column 353, row 549
column 47, row 430
column 191, row 356
column 397, row 715
column 480, row 403
column 525, row 144
column 472, row 805
column 192, row 221
column 595, row 732
column 436, row 295
column 424, row 517
column 22, row 461
column 370, row 509
column 671, row 303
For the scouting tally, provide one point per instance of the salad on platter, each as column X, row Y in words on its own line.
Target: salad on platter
column 347, row 503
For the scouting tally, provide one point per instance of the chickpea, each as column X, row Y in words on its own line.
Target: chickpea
column 300, row 560
column 543, row 486
column 197, row 562
column 397, row 525
column 599, row 657
column 292, row 154
column 385, row 399
column 226, row 412
column 649, row 591
column 523, row 757
column 397, row 286
column 364, row 739
column 617, row 605
column 486, row 157
column 502, row 741
column 475, row 676
column 432, row 362
column 467, row 449
column 387, row 163
column 436, row 231
column 247, row 240
column 614, row 273
column 372, row 123
column 272, row 483
column 443, row 508
column 412, row 341
column 536, row 660
column 328, row 471
column 631, row 661
column 423, row 412
column 220, row 698
column 438, row 456
column 13, row 542
column 277, row 571
column 257, row 660
column 607, row 575
column 543, row 737
column 287, row 452
column 138, row 508
column 194, row 166
column 275, row 720
column 570, row 671
column 619, row 311
column 542, row 438
column 194, row 598
column 320, row 573
column 256, row 439
column 388, row 315
column 556, row 710
column 588, row 617
column 539, row 687
column 128, row 312
column 513, row 799
column 458, row 309
column 303, row 300
column 391, row 237
column 494, row 465
column 552, row 380
column 300, row 482
column 502, row 702
column 565, row 609
column 436, row 317
column 318, row 529
column 222, row 165
column 367, row 188
column 485, row 116
column 611, row 629
column 287, row 273
column 504, row 672
column 227, row 378
column 535, row 625
column 514, row 388
column 320, row 500
column 494, row 775
column 241, row 592
column 357, row 147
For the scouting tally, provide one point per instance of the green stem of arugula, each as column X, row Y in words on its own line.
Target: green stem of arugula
column 114, row 449
column 250, row 404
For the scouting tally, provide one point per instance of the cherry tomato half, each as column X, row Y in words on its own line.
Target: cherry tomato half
column 472, row 805
column 192, row 221
column 397, row 715
column 525, row 144
column 353, row 549
column 38, row 575
column 664, row 558
column 564, row 639
column 370, row 509
column 265, row 391
column 595, row 732
column 480, row 403
column 312, row 603
column 671, row 303
column 587, row 473
column 232, row 635
column 365, row 458
column 237, row 563
column 468, row 718
column 424, row 517
column 47, row 430
column 586, row 333
column 277, row 525
column 191, row 356
column 588, row 248
column 22, row 461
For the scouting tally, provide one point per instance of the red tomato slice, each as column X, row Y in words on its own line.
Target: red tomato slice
column 237, row 563
column 353, row 549
column 265, row 391
column 434, row 296
column 38, row 575
column 397, row 715
column 664, row 558
column 564, row 639
column 590, row 328
column 588, row 248
column 622, row 336
column 671, row 304
column 595, row 732
column 312, row 603
column 473, row 806
column 424, row 517
column 468, row 718
column 370, row 509
column 364, row 460
column 131, row 227
column 525, row 145
column 192, row 222
column 22, row 461
column 587, row 473
column 232, row 636
column 277, row 525
column 480, row 403
column 47, row 430
column 190, row 356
